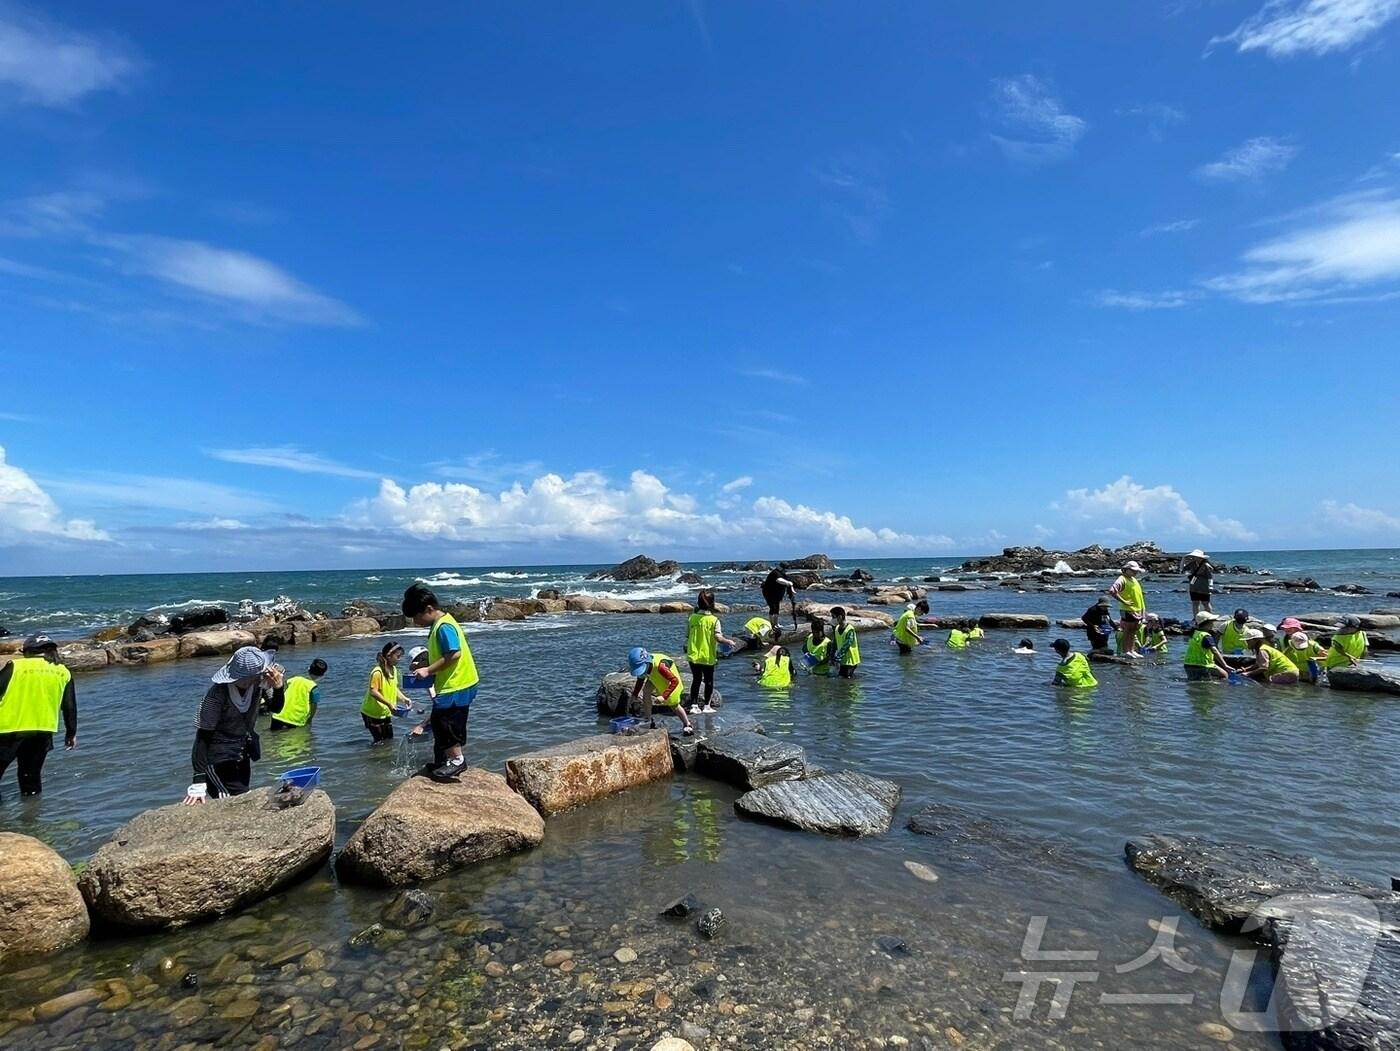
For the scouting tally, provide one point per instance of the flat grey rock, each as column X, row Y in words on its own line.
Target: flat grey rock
column 685, row 750
column 1364, row 680
column 749, row 760
column 845, row 803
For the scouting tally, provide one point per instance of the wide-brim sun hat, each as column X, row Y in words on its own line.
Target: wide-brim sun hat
column 247, row 662
column 638, row 662
column 1133, row 567
column 1290, row 624
column 1205, row 617
column 1196, row 553
column 1253, row 635
column 1298, row 640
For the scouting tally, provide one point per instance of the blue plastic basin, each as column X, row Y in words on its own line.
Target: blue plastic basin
column 302, row 776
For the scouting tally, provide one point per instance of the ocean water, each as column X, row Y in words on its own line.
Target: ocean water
column 1065, row 779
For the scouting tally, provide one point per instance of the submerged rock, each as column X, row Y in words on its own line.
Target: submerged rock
column 1015, row 621
column 41, row 909
column 845, row 803
column 1367, row 679
column 178, row 864
column 410, row 909
column 425, row 829
column 614, row 695
column 987, row 845
column 684, row 907
column 1333, row 939
column 749, row 760
column 710, row 923
column 577, row 772
column 685, row 750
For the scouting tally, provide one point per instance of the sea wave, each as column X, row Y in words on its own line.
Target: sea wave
column 192, row 602
column 669, row 590
column 372, row 578
column 451, row 580
column 503, row 575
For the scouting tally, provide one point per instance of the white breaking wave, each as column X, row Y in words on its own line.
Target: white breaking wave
column 670, row 590
column 1062, row 567
column 502, row 575
column 451, row 580
column 192, row 602
column 372, row 578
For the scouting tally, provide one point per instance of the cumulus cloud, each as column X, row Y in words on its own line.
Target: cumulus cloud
column 27, row 512
column 1035, row 125
column 290, row 458
column 1250, row 161
column 1355, row 519
column 1158, row 510
column 1285, row 28
column 1354, row 247
column 48, row 65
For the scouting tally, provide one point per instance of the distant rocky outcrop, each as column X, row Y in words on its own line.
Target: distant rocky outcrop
column 199, row 617
column 1094, row 558
column 639, row 567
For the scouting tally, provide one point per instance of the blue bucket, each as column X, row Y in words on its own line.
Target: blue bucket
column 302, row 777
column 403, row 709
column 623, row 723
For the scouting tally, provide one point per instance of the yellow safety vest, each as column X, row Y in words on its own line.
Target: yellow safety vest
column 1232, row 638
column 34, row 698
column 1197, row 656
column 957, row 639
column 389, row 687
column 840, row 637
column 659, row 684
column 758, row 627
column 977, row 632
column 459, row 676
column 296, row 709
column 776, row 673
column 819, row 652
column 1075, row 671
column 1352, row 644
column 1130, row 596
column 701, row 644
column 906, row 631
column 1300, row 658
column 1278, row 661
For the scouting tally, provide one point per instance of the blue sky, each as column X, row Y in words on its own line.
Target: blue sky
column 436, row 284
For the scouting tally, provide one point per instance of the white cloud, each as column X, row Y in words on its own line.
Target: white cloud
column 1358, row 519
column 1250, row 161
column 26, row 511
column 776, row 375
column 212, row 525
column 290, row 458
column 1176, row 226
column 1168, row 300
column 737, row 484
column 1284, row 28
column 49, row 65
column 156, row 492
column 1355, row 246
column 1037, row 126
column 233, row 277
column 489, row 468
column 798, row 520
column 1125, row 506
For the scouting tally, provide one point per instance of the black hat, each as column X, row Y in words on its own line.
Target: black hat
column 39, row 643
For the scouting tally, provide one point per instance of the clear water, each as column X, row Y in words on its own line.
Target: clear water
column 1296, row 768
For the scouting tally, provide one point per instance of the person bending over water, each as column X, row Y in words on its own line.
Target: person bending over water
column 34, row 690
column 1348, row 645
column 658, row 681
column 816, row 649
column 1025, row 648
column 1099, row 625
column 294, row 705
column 226, row 741
column 906, row 628
column 1073, row 669
column 1203, row 660
column 1270, row 665
column 1307, row 656
column 775, row 670
column 759, row 634
column 382, row 695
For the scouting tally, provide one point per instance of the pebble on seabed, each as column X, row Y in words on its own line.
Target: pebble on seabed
column 625, row 955
column 921, row 871
column 1216, row 1031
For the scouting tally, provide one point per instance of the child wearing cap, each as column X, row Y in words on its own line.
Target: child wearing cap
column 1232, row 638
column 657, row 681
column 1203, row 658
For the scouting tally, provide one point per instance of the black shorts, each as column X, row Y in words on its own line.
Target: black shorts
column 903, row 649
column 1200, row 596
column 379, row 729
column 449, row 726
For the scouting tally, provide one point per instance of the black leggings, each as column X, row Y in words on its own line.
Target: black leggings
column 701, row 674
column 847, row 671
column 379, row 729
column 27, row 749
column 235, row 774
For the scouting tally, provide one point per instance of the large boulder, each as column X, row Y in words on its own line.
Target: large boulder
column 41, row 909
column 614, row 695
column 215, row 643
column 198, row 617
column 845, row 803
column 513, row 608
column 1015, row 621
column 85, row 658
column 427, row 828
column 749, row 760
column 576, row 772
column 639, row 567
column 1367, row 679
column 815, row 562
column 593, row 604
column 1333, row 940
column 156, row 651
column 179, row 864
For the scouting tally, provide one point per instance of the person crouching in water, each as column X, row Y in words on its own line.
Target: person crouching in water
column 657, row 681
column 906, row 628
column 377, row 709
column 775, row 670
column 1073, row 669
column 703, row 638
column 1204, row 660
column 34, row 690
column 294, row 705
column 843, row 640
column 816, row 649
column 226, row 742
column 1307, row 656
column 759, row 634
column 1270, row 665
column 455, row 680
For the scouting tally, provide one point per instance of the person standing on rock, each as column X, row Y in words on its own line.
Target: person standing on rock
column 226, row 741
column 845, row 643
column 1073, row 669
column 1132, row 606
column 1099, row 626
column 295, row 704
column 455, row 679
column 1200, row 580
column 906, row 628
column 704, row 636
column 657, row 681
column 34, row 691
column 382, row 695
column 776, row 587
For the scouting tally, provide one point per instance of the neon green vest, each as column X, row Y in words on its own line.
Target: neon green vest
column 957, row 639
column 34, row 698
column 776, row 673
column 1278, row 661
column 906, row 631
column 843, row 635
column 296, row 709
column 1131, row 597
column 459, row 676
column 1075, row 671
column 701, row 645
column 389, row 687
column 758, row 627
column 1352, row 644
column 1197, row 656
column 819, row 652
column 659, row 683
column 1300, row 658
column 977, row 632
column 1232, row 638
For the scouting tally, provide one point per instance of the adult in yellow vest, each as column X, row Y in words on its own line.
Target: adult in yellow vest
column 1232, row 637
column 1203, row 660
column 658, row 681
column 1073, row 669
column 1132, row 606
column 906, row 628
column 294, row 706
column 844, row 642
column 1348, row 644
column 775, row 670
column 226, row 743
column 760, row 634
column 703, row 637
column 1270, row 665
column 957, row 639
column 34, row 691
column 382, row 694
column 455, row 679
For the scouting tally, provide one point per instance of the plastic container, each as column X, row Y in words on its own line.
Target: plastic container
column 302, row 777
column 403, row 709
column 623, row 723
column 412, row 682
